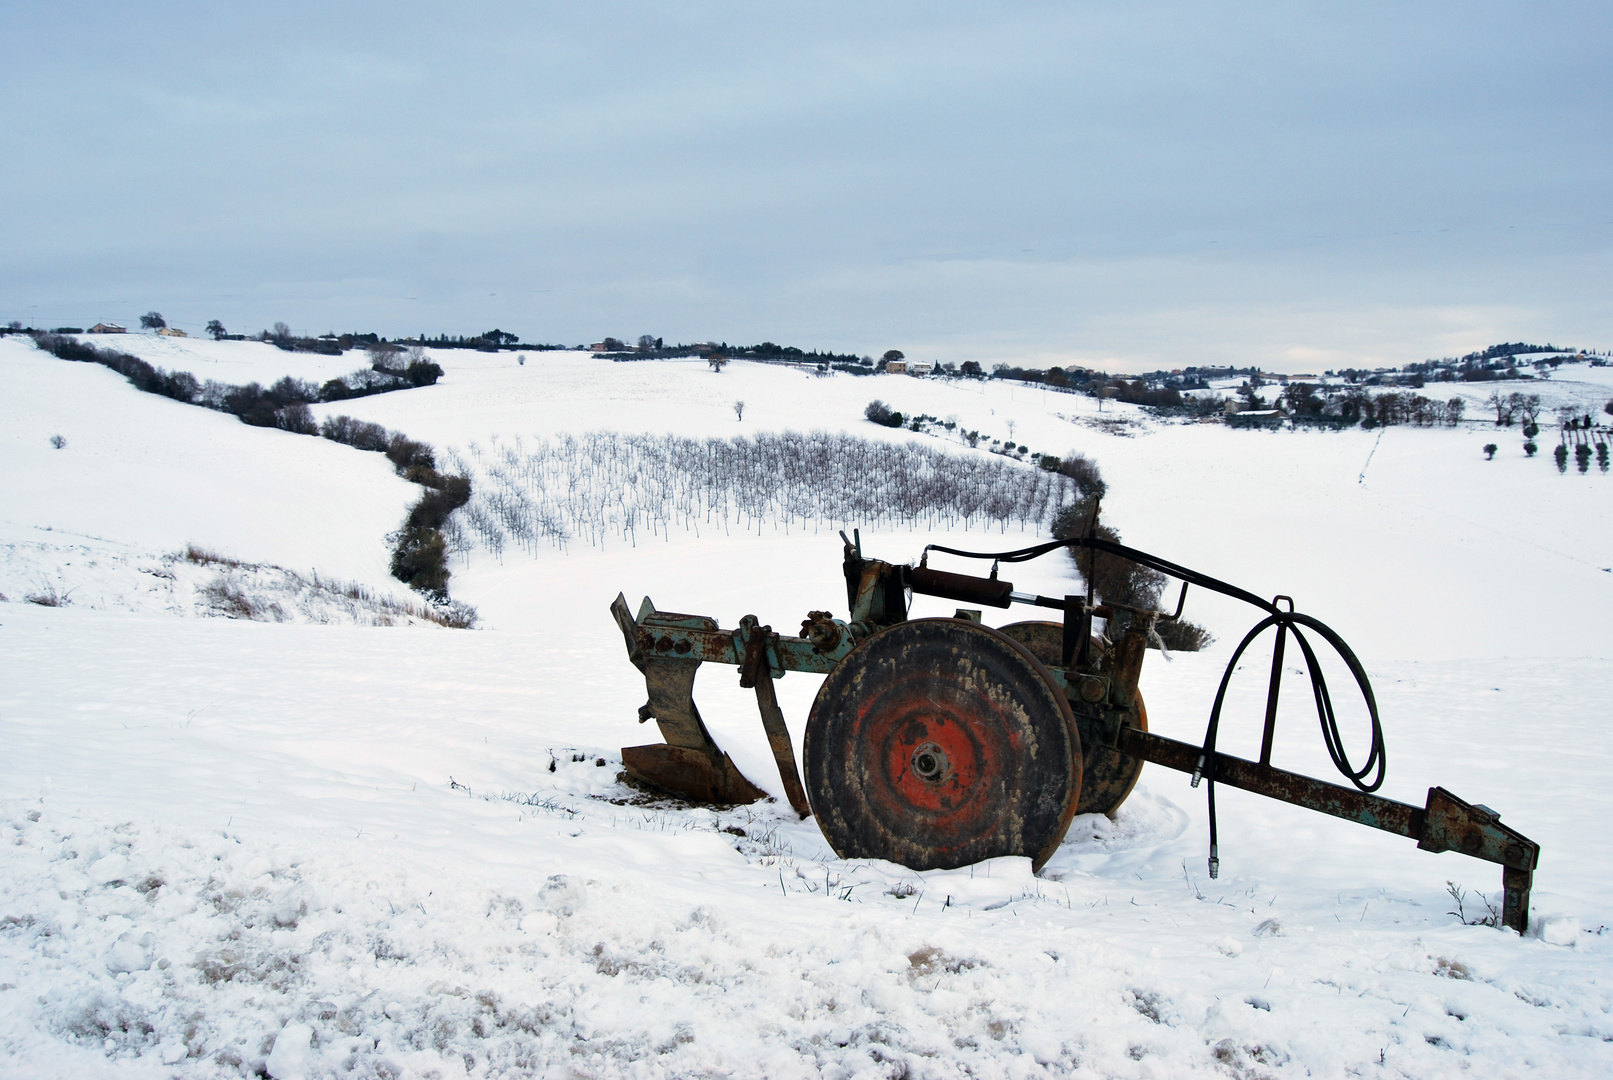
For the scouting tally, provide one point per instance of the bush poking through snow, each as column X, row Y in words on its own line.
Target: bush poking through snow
column 228, row 599
column 1491, row 917
column 880, row 413
column 264, row 593
column 47, row 596
column 1114, row 579
column 1179, row 635
column 420, row 561
column 179, row 385
column 405, row 453
column 202, row 557
column 360, row 434
column 58, row 442
column 296, row 419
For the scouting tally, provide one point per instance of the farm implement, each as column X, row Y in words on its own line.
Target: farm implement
column 939, row 742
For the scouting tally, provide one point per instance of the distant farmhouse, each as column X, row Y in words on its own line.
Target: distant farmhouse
column 107, row 328
column 909, row 367
column 169, row 331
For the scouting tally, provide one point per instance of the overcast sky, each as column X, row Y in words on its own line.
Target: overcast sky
column 1130, row 184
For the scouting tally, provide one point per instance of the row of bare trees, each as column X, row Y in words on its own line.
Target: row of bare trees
column 601, row 487
column 1398, row 408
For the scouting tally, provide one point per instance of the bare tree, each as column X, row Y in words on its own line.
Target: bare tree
column 646, row 342
column 1530, row 407
column 717, row 362
column 281, row 331
column 152, row 320
column 384, row 356
column 739, row 410
column 216, row 328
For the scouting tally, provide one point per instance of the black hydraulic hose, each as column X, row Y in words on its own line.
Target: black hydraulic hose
column 1286, row 621
column 1142, row 558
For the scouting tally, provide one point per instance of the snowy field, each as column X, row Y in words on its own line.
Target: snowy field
column 317, row 847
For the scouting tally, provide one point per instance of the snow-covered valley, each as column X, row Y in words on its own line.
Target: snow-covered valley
column 321, row 846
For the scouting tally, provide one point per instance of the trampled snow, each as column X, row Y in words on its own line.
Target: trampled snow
column 306, row 850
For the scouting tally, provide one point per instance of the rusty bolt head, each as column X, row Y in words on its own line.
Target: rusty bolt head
column 1092, row 690
column 663, row 644
column 820, row 629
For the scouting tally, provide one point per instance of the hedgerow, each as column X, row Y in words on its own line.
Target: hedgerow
column 419, row 557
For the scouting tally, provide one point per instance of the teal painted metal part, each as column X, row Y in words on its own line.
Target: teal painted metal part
column 694, row 637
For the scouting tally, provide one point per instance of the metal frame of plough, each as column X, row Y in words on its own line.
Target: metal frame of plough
column 1098, row 679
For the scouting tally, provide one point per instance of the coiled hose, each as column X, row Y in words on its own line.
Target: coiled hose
column 1286, row 621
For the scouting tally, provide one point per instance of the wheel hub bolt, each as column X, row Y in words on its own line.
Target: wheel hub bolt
column 930, row 763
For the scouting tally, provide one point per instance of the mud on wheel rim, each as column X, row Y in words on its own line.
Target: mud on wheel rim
column 941, row 742
column 1107, row 776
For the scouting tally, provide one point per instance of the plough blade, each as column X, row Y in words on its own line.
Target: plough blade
column 690, row 773
column 689, row 763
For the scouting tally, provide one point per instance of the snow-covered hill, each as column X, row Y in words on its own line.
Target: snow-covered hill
column 234, row 847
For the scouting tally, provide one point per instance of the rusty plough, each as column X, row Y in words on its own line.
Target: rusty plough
column 940, row 742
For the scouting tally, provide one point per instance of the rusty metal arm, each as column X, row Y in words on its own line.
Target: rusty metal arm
column 757, row 672
column 669, row 648
column 1445, row 824
column 660, row 635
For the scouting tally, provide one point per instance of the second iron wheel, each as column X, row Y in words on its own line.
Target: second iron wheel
column 1107, row 777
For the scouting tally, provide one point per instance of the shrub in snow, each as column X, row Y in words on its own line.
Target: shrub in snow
column 47, row 596
column 420, row 561
column 58, row 441
column 405, row 453
column 230, row 600
column 1114, row 579
column 422, row 373
column 1489, row 451
column 360, row 434
column 179, row 385
column 880, row 413
column 297, row 420
column 1179, row 635
column 444, row 495
column 420, row 558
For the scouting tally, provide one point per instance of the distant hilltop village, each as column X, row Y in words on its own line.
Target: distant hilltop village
column 1244, row 396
